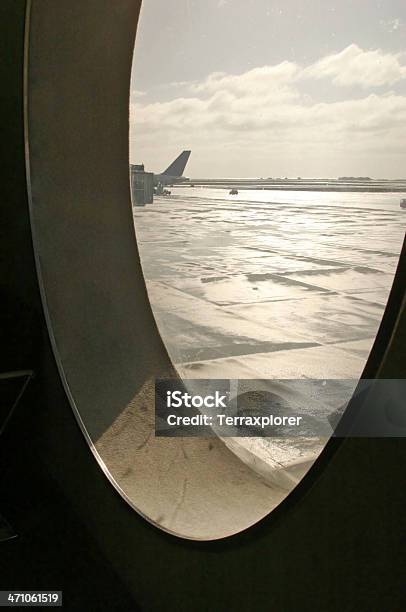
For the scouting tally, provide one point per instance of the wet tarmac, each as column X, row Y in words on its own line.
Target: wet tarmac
column 233, row 282
column 290, row 287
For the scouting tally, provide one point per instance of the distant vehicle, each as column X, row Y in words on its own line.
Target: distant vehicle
column 161, row 191
column 173, row 173
column 403, row 203
column 234, row 192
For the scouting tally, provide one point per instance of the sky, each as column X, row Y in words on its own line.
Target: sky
column 264, row 88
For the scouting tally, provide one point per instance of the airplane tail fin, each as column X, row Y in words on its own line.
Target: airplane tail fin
column 177, row 167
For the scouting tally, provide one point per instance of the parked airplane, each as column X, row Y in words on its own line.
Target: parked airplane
column 173, row 173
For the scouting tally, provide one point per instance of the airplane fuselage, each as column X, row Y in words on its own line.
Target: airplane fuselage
column 166, row 179
column 173, row 173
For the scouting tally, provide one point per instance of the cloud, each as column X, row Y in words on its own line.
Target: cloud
column 137, row 93
column 354, row 66
column 225, row 113
column 392, row 24
column 264, row 79
column 263, row 116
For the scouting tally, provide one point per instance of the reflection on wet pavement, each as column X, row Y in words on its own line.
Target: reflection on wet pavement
column 247, row 289
column 243, row 280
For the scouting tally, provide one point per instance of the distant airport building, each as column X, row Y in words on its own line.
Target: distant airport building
column 142, row 185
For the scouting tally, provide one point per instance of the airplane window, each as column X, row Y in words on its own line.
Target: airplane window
column 268, row 191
